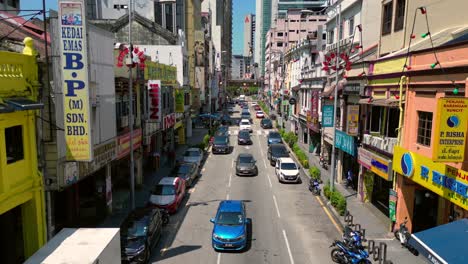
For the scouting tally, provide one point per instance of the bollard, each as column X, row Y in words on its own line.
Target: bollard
column 357, row 227
column 376, row 254
column 348, row 218
column 383, row 251
column 363, row 233
column 370, row 246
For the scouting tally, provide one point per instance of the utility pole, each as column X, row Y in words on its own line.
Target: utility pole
column 130, row 94
column 335, row 102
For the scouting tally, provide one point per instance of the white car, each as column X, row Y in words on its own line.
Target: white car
column 245, row 125
column 287, row 170
column 194, row 155
column 259, row 114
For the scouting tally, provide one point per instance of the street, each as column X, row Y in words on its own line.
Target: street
column 288, row 222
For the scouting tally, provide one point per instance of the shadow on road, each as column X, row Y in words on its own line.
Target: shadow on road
column 178, row 251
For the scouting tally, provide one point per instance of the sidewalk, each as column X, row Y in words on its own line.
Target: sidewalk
column 376, row 224
column 151, row 178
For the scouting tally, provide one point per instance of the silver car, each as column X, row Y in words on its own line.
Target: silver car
column 194, row 155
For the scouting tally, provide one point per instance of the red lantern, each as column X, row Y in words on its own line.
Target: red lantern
column 353, row 50
column 333, row 68
column 358, row 47
column 325, row 63
column 331, row 97
column 348, row 68
column 326, row 68
column 328, row 58
column 345, row 76
column 332, row 55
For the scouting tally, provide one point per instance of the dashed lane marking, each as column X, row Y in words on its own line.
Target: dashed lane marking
column 227, row 196
column 287, row 245
column 230, row 176
column 268, row 177
column 276, row 206
column 219, row 258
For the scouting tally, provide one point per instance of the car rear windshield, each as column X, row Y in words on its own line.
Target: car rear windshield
column 279, row 150
column 163, row 190
column 274, row 135
column 266, row 121
column 245, row 123
column 244, row 134
column 220, row 140
column 245, row 159
column 245, row 115
column 229, row 218
column 288, row 166
column 191, row 153
column 135, row 229
column 184, row 168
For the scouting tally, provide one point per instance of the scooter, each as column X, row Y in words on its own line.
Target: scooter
column 403, row 235
column 345, row 254
column 323, row 164
column 314, row 186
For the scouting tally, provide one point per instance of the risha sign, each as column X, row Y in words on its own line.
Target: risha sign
column 154, row 100
column 73, row 47
column 450, row 130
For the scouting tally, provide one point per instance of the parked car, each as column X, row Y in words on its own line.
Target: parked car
column 168, row 194
column 246, row 116
column 194, row 155
column 274, row 138
column 287, row 170
column 230, row 226
column 276, row 151
column 230, row 109
column 266, row 123
column 139, row 234
column 222, row 130
column 246, row 164
column 257, row 108
column 221, row 144
column 245, row 125
column 259, row 114
column 226, row 120
column 244, row 138
column 188, row 171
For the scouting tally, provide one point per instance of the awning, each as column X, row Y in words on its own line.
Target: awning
column 443, row 244
column 4, row 108
column 381, row 102
column 23, row 104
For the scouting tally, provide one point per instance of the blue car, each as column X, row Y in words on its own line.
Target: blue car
column 230, row 226
column 274, row 138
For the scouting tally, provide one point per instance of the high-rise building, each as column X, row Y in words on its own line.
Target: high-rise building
column 266, row 10
column 258, row 26
column 249, row 35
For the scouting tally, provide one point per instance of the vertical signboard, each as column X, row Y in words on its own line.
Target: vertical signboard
column 179, row 100
column 327, row 116
column 450, row 130
column 73, row 48
column 154, row 100
column 352, row 120
column 314, row 114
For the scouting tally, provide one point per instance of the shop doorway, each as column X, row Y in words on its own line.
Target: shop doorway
column 380, row 194
column 11, row 237
column 425, row 210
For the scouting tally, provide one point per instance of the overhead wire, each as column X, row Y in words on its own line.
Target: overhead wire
column 19, row 26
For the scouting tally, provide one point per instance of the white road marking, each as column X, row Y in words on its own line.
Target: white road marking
column 230, row 176
column 268, row 177
column 219, row 258
column 227, row 196
column 259, row 132
column 287, row 245
column 232, row 164
column 276, row 205
column 247, row 147
column 264, row 163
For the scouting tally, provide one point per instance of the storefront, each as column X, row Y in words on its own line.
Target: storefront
column 375, row 181
column 432, row 193
column 346, row 150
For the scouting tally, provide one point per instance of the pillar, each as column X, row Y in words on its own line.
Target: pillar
column 108, row 174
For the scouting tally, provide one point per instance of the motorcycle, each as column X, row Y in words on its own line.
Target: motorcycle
column 323, row 163
column 314, row 186
column 353, row 237
column 345, row 254
column 403, row 235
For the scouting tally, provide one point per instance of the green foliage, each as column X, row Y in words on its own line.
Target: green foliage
column 264, row 107
column 326, row 190
column 206, row 141
column 290, row 138
column 337, row 199
column 315, row 173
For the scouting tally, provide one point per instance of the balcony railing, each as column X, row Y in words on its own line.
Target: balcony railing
column 386, row 144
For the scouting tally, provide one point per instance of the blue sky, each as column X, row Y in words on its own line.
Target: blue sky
column 240, row 9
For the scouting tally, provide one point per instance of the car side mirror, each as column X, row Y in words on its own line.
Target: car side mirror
column 248, row 221
column 212, row 220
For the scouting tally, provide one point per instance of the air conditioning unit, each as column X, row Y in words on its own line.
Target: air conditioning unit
column 367, row 139
column 377, row 142
column 124, row 121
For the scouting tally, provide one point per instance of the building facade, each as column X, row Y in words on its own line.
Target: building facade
column 249, row 36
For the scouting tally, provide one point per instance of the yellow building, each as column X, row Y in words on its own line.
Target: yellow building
column 22, row 211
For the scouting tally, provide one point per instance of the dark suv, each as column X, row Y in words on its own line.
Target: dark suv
column 266, row 123
column 221, row 144
column 244, row 138
column 276, row 151
column 139, row 233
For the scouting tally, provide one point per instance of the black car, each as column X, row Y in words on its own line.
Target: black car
column 222, row 131
column 139, row 233
column 189, row 172
column 276, row 151
column 266, row 123
column 274, row 138
column 246, row 164
column 226, row 120
column 244, row 138
column 221, row 144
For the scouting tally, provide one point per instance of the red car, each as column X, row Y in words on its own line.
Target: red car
column 257, row 108
column 168, row 194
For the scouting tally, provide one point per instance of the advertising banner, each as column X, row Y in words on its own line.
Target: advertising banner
column 352, row 124
column 450, row 130
column 73, row 47
column 154, row 100
column 446, row 181
column 169, row 121
column 345, row 142
column 200, row 81
column 314, row 113
column 179, row 100
column 123, row 143
column 365, row 158
column 327, row 116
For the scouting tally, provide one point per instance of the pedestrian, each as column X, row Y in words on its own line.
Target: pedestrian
column 350, row 179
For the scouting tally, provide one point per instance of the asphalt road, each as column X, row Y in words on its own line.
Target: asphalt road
column 289, row 224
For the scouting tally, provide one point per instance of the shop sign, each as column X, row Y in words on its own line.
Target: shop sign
column 73, row 47
column 392, row 200
column 352, row 120
column 446, row 181
column 169, row 121
column 314, row 114
column 382, row 167
column 352, row 88
column 179, row 100
column 123, row 143
column 327, row 116
column 450, row 131
column 292, row 101
column 365, row 158
column 154, row 100
column 345, row 142
column 103, row 154
column 158, row 71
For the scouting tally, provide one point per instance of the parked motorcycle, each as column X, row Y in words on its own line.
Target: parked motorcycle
column 403, row 235
column 314, row 186
column 345, row 254
column 323, row 163
column 352, row 237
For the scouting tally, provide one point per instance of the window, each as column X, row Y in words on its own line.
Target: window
column 351, row 26
column 279, row 34
column 331, row 37
column 14, row 144
column 387, row 18
column 376, row 118
column 169, row 17
column 424, row 128
column 279, row 44
column 341, row 31
column 158, row 13
column 399, row 14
